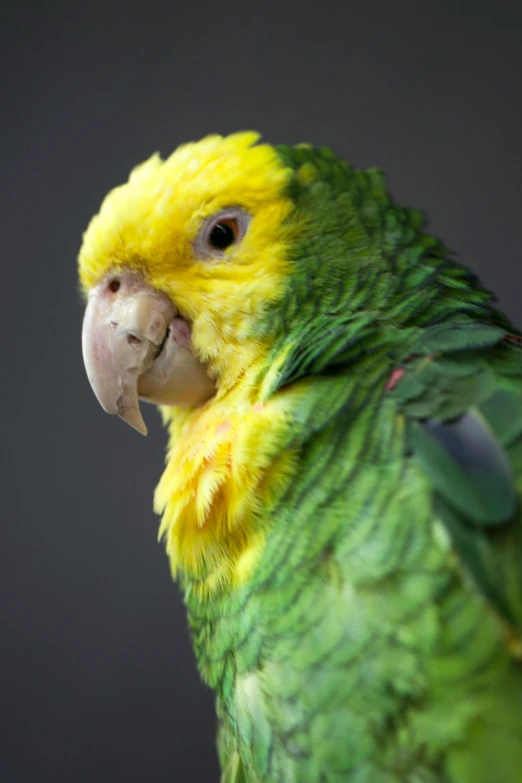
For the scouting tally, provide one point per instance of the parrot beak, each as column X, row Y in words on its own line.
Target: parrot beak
column 135, row 345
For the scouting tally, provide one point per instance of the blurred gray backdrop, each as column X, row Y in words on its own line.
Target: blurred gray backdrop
column 99, row 681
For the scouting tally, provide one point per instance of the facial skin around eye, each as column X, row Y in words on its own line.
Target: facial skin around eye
column 220, row 232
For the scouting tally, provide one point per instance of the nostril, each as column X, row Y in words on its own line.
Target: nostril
column 133, row 340
column 114, row 286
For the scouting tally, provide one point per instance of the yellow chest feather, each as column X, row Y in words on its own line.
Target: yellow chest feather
column 225, row 466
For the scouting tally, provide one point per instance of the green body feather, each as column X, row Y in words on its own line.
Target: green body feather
column 376, row 640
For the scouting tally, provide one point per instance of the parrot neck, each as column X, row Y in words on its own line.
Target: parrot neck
column 230, row 460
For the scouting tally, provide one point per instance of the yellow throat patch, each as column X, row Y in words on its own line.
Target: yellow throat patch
column 225, row 460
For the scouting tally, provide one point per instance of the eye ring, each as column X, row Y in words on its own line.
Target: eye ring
column 221, row 232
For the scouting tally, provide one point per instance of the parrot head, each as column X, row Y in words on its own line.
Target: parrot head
column 179, row 267
column 203, row 268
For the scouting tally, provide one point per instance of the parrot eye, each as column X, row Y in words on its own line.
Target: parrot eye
column 223, row 234
column 221, row 231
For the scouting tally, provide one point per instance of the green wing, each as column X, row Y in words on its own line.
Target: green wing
column 461, row 394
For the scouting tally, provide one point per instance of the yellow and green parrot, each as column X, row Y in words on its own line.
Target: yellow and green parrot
column 341, row 502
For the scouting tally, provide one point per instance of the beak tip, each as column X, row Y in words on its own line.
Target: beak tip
column 133, row 417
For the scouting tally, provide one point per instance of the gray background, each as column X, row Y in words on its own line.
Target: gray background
column 99, row 681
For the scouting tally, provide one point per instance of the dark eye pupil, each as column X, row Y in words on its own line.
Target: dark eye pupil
column 222, row 236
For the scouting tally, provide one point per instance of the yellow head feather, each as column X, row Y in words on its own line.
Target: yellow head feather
column 150, row 223
column 219, row 455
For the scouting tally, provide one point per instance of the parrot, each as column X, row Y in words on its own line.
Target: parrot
column 341, row 498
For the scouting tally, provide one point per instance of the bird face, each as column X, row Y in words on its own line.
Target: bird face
column 179, row 268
